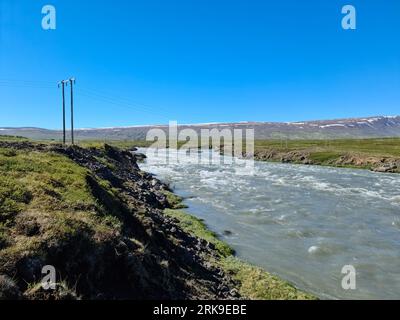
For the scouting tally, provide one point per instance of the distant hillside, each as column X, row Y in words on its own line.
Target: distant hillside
column 371, row 127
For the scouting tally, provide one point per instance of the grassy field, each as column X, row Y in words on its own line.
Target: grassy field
column 389, row 147
column 382, row 155
column 12, row 138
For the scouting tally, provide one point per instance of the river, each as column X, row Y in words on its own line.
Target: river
column 302, row 223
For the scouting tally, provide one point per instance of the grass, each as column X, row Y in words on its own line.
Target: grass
column 41, row 180
column 349, row 153
column 12, row 138
column 48, row 188
column 198, row 228
column 256, row 284
column 389, row 147
column 122, row 144
column 324, row 157
column 174, row 200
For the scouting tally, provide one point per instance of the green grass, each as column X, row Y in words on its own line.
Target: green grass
column 42, row 180
column 174, row 200
column 256, row 284
column 389, row 147
column 48, row 184
column 197, row 227
column 12, row 138
column 324, row 157
column 349, row 153
column 122, row 144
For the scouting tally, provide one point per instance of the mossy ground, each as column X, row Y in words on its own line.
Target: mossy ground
column 174, row 200
column 38, row 180
column 47, row 207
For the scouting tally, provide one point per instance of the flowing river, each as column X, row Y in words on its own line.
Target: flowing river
column 302, row 223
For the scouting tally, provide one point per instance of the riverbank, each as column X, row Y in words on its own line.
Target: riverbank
column 111, row 231
column 251, row 282
column 379, row 155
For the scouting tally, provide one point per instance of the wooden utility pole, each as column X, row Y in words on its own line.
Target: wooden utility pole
column 62, row 85
column 72, row 82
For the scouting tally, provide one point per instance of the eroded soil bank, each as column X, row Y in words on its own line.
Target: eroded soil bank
column 335, row 159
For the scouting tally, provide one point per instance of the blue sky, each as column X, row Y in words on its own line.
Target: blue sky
column 147, row 62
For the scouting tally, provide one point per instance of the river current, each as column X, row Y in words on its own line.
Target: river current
column 302, row 223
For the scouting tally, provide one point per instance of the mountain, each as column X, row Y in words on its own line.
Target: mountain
column 371, row 127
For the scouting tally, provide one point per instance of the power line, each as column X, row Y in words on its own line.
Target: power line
column 89, row 93
column 125, row 100
column 26, row 81
column 23, row 85
column 114, row 102
column 93, row 94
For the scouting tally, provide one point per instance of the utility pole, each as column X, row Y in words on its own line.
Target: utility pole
column 72, row 82
column 62, row 85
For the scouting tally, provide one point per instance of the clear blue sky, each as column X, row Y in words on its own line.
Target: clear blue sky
column 147, row 62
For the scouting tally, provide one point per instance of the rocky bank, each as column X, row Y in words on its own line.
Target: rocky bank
column 373, row 163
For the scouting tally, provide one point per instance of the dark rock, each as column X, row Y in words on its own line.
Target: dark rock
column 140, row 156
column 234, row 293
column 8, row 289
column 387, row 167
